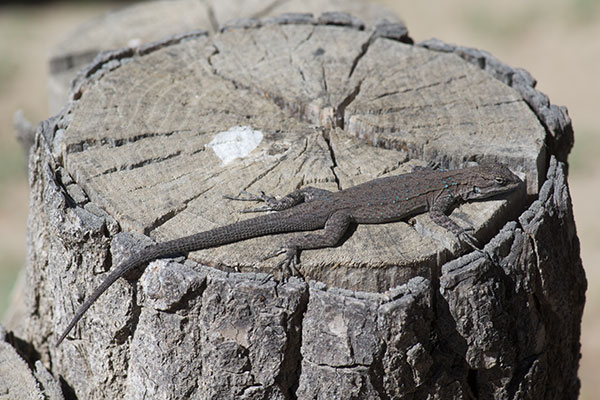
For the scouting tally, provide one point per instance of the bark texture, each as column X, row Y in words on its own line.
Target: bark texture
column 155, row 134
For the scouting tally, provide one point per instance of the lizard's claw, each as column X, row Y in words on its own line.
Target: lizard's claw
column 472, row 242
column 431, row 165
column 247, row 196
column 469, row 239
column 287, row 266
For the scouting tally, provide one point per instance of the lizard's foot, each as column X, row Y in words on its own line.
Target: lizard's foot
column 287, row 266
column 471, row 241
column 271, row 202
column 465, row 237
column 431, row 165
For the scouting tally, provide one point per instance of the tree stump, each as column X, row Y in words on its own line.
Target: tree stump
column 155, row 135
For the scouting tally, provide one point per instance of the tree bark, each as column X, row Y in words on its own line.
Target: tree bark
column 155, row 135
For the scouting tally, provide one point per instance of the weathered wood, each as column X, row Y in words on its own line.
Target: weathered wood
column 151, row 21
column 142, row 152
column 18, row 381
column 269, row 78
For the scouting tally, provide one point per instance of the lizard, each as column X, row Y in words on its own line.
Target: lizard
column 382, row 200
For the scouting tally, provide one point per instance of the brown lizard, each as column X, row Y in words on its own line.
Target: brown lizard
column 377, row 201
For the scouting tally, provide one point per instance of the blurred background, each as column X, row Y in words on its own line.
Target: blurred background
column 557, row 41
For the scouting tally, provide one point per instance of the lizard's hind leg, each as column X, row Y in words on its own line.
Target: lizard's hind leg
column 290, row 200
column 334, row 229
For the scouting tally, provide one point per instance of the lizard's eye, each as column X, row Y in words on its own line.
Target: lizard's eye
column 499, row 180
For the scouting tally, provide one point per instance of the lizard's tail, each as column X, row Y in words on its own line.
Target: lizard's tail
column 146, row 255
column 241, row 230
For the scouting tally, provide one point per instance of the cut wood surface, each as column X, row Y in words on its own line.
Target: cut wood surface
column 153, row 137
column 148, row 130
column 151, row 21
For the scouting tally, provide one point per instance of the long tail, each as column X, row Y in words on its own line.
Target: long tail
column 246, row 229
column 146, row 255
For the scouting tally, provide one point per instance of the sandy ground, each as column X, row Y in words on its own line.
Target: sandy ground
column 555, row 40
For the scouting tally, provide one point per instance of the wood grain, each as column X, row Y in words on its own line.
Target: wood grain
column 139, row 129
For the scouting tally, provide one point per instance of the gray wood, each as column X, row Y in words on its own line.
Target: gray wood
column 396, row 311
column 18, row 381
column 153, row 147
column 147, row 22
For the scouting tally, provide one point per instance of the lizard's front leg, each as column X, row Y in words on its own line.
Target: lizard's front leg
column 290, row 200
column 335, row 227
column 437, row 213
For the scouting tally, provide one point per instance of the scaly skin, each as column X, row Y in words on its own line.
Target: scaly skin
column 378, row 201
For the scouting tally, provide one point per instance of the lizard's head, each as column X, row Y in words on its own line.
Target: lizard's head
column 491, row 180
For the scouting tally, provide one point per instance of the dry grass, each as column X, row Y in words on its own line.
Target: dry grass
column 557, row 41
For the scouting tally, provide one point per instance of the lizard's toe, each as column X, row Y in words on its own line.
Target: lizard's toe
column 288, row 266
column 270, row 201
column 469, row 239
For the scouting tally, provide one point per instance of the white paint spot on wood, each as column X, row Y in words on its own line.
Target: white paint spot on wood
column 134, row 42
column 237, row 142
